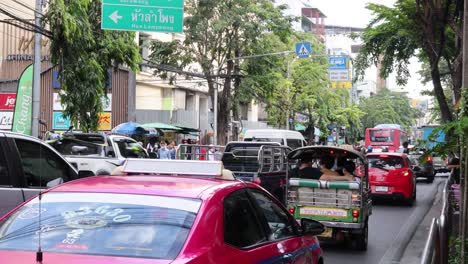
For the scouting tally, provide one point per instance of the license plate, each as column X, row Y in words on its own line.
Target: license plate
column 327, row 233
column 381, row 188
column 318, row 211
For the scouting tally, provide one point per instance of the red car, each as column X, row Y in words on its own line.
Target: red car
column 390, row 175
column 158, row 219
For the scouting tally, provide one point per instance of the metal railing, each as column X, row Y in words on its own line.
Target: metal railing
column 436, row 249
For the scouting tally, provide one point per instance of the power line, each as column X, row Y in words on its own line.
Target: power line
column 32, row 26
column 28, row 7
column 16, row 9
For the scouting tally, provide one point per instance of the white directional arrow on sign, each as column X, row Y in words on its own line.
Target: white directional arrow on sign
column 115, row 17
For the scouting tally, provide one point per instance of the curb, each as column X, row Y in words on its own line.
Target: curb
column 395, row 252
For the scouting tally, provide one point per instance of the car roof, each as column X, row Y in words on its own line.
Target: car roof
column 21, row 136
column 174, row 186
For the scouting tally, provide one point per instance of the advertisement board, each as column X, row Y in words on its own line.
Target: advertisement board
column 340, row 84
column 6, row 120
column 7, row 101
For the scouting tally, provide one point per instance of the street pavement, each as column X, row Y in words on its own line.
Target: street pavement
column 391, row 229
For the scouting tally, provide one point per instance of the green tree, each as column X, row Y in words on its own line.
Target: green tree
column 429, row 29
column 215, row 33
column 84, row 53
column 388, row 107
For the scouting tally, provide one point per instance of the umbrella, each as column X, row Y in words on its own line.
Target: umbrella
column 129, row 128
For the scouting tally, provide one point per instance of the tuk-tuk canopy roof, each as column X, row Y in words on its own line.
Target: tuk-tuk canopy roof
column 316, row 152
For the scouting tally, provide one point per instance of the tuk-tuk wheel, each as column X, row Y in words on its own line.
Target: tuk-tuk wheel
column 360, row 240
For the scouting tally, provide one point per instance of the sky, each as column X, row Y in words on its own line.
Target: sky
column 353, row 13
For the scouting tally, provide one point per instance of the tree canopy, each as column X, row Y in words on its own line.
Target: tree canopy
column 84, row 54
column 388, row 107
column 215, row 33
column 429, row 29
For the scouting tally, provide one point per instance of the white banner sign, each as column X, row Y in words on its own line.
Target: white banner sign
column 106, row 104
column 339, row 75
column 6, row 120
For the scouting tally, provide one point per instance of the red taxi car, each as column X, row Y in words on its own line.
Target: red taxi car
column 163, row 218
column 390, row 175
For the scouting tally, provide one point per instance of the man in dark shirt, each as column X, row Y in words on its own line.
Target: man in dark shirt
column 306, row 171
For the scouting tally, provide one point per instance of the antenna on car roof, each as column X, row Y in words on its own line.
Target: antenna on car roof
column 39, row 249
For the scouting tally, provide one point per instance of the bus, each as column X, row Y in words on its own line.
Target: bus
column 391, row 136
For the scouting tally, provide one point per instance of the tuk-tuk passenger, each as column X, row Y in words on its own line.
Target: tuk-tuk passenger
column 328, row 174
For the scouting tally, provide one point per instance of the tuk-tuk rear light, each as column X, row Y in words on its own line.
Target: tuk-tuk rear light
column 355, row 219
column 292, row 210
column 355, row 213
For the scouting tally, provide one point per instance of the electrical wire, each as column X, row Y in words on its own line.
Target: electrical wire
column 32, row 27
column 16, row 9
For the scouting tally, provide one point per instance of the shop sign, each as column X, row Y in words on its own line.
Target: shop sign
column 59, row 122
column 6, row 120
column 7, row 101
column 105, row 121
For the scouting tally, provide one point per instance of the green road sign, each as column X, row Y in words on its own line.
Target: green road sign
column 143, row 15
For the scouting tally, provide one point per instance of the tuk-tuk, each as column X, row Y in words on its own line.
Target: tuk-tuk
column 343, row 207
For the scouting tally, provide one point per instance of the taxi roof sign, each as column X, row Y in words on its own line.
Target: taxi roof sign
column 174, row 167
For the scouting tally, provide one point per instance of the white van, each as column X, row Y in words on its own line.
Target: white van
column 292, row 139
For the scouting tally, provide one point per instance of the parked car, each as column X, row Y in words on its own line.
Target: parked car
column 391, row 176
column 422, row 165
column 97, row 154
column 27, row 166
column 174, row 217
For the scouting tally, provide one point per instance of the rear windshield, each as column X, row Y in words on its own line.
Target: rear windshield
column 386, row 135
column 385, row 162
column 241, row 158
column 121, row 225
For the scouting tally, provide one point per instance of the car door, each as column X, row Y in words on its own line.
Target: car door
column 245, row 237
column 11, row 194
column 283, row 230
column 40, row 165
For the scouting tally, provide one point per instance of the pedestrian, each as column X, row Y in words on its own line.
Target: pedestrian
column 163, row 151
column 454, row 165
column 152, row 148
column 213, row 154
column 172, row 150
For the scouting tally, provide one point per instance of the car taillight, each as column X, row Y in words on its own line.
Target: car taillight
column 356, row 213
column 405, row 173
column 292, row 210
column 429, row 159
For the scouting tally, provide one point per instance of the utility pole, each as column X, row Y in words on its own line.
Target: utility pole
column 215, row 112
column 464, row 207
column 36, row 93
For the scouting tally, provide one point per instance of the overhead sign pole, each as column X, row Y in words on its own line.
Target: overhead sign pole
column 148, row 15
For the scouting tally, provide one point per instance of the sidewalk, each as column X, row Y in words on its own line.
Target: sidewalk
column 414, row 250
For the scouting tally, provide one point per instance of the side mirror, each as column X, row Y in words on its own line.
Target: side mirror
column 55, row 182
column 311, row 227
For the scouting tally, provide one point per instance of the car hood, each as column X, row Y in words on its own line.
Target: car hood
column 15, row 257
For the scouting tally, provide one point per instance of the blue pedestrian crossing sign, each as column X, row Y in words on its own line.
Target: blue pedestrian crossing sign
column 303, row 50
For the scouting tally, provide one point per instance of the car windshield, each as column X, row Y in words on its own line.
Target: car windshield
column 385, row 162
column 66, row 147
column 103, row 224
